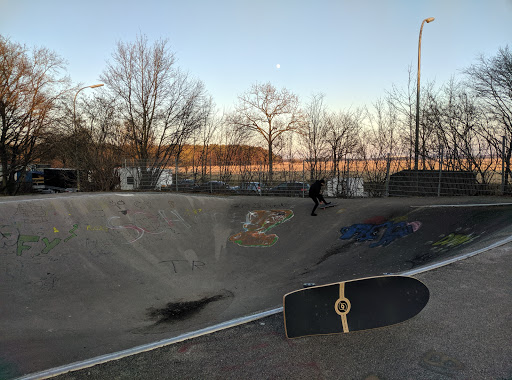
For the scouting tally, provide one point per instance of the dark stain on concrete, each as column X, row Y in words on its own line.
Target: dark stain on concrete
column 177, row 311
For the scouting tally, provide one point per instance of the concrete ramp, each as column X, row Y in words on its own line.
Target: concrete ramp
column 87, row 275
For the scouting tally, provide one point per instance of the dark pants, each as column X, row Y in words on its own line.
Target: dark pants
column 316, row 199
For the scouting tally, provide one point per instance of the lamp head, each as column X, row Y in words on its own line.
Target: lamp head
column 96, row 85
column 430, row 19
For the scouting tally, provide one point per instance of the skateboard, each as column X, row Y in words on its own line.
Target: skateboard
column 361, row 304
column 328, row 206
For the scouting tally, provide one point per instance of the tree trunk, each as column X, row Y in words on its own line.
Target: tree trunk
column 270, row 169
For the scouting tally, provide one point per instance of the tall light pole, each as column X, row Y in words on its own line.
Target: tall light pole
column 74, row 126
column 416, row 139
column 74, row 100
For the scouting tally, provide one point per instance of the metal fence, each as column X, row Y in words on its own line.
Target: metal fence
column 389, row 176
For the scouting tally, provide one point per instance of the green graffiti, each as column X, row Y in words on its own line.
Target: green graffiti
column 454, row 240
column 25, row 239
column 72, row 232
column 50, row 245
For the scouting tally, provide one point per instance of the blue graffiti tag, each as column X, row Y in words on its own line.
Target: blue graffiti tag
column 370, row 232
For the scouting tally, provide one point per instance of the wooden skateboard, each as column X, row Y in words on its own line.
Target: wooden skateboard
column 328, row 206
column 354, row 305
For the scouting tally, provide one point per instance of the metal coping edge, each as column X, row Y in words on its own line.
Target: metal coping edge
column 465, row 205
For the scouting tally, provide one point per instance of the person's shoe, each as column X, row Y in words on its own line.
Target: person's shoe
column 313, row 214
column 327, row 203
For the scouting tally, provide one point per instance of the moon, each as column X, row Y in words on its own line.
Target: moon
column 278, row 66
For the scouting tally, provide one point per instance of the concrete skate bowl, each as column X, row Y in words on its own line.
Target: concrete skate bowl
column 87, row 275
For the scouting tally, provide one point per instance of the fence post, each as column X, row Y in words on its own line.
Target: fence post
column 347, row 181
column 388, row 165
column 211, row 184
column 441, row 157
column 303, row 178
column 502, row 165
column 176, row 162
column 259, row 178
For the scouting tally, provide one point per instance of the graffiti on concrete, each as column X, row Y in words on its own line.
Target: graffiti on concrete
column 24, row 240
column 97, row 228
column 454, row 240
column 48, row 282
column 72, row 232
column 193, row 212
column 23, row 236
column 139, row 223
column 29, row 213
column 445, row 243
column 8, row 235
column 383, row 234
column 184, row 265
column 256, row 226
column 119, row 204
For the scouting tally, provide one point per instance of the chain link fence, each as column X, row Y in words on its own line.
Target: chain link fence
column 376, row 177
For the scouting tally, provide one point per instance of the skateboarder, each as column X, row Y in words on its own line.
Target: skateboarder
column 315, row 193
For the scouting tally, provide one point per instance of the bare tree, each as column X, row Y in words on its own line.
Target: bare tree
column 458, row 120
column 380, row 137
column 342, row 135
column 404, row 103
column 268, row 112
column 30, row 87
column 427, row 138
column 160, row 105
column 378, row 142
column 313, row 135
column 103, row 140
column 491, row 79
column 231, row 141
column 206, row 133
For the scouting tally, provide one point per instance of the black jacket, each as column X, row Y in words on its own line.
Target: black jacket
column 315, row 189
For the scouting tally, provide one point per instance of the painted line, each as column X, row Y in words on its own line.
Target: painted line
column 466, row 205
column 147, row 347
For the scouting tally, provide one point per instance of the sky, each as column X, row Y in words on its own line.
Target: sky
column 352, row 51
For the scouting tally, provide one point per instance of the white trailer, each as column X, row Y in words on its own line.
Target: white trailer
column 132, row 178
column 348, row 187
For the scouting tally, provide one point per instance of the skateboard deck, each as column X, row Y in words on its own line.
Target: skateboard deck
column 362, row 304
column 328, row 206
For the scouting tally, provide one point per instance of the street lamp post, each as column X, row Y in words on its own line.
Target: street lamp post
column 416, row 139
column 75, row 128
column 74, row 100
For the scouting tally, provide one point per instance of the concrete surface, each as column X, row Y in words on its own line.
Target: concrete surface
column 465, row 332
column 87, row 275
